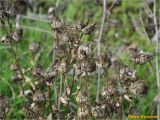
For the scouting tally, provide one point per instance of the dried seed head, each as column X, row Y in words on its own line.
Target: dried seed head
column 98, row 112
column 84, row 51
column 109, row 90
column 133, row 110
column 4, row 106
column 80, row 25
column 73, row 40
column 71, row 116
column 77, row 70
column 2, row 114
column 103, row 62
column 52, row 71
column 49, row 80
column 5, row 39
column 34, row 47
column 127, row 74
column 14, row 67
column 82, row 97
column 71, row 28
column 30, row 114
column 33, row 110
column 51, row 12
column 109, row 107
column 139, row 88
column 141, row 57
column 38, row 72
column 3, row 16
column 83, row 111
column 64, row 100
column 62, row 68
column 39, row 97
column 17, row 36
column 88, row 29
column 37, row 108
column 17, row 78
column 73, row 55
column 57, row 24
column 87, row 67
column 28, row 93
column 61, row 51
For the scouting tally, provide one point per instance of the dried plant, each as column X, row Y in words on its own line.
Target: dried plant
column 75, row 57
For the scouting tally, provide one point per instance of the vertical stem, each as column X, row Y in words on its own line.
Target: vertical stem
column 17, row 62
column 72, row 82
column 50, row 102
column 71, row 88
column 157, row 64
column 98, row 48
column 121, row 109
column 88, row 85
column 15, row 55
column 60, row 92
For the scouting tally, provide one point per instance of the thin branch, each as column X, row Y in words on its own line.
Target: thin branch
column 98, row 47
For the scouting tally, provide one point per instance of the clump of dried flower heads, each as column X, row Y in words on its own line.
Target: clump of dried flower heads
column 75, row 57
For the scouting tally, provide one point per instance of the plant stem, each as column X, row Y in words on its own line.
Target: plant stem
column 50, row 102
column 157, row 64
column 98, row 48
column 60, row 92
column 15, row 55
column 71, row 88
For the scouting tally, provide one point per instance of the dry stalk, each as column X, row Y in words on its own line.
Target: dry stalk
column 98, row 48
column 157, row 53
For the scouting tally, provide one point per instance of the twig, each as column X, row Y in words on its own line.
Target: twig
column 98, row 47
column 157, row 65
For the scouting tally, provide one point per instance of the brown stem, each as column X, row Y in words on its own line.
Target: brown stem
column 15, row 55
column 60, row 92
column 87, row 84
column 73, row 80
column 71, row 88
column 50, row 102
column 121, row 109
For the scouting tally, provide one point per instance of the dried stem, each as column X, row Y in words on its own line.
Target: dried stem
column 157, row 64
column 71, row 88
column 15, row 55
column 72, row 83
column 98, row 47
column 144, row 30
column 50, row 102
column 60, row 92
